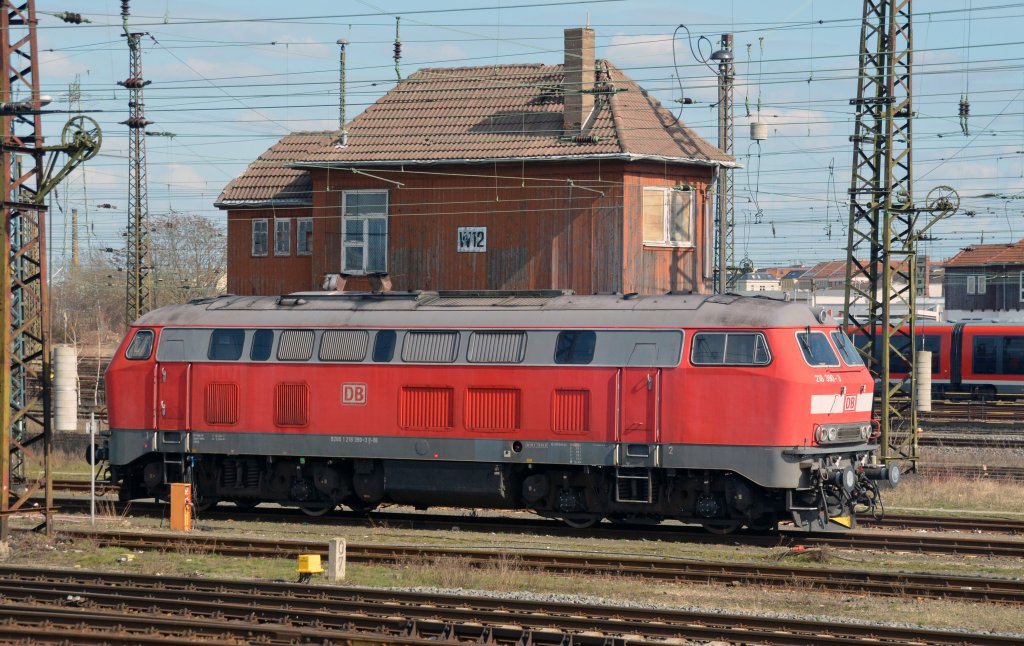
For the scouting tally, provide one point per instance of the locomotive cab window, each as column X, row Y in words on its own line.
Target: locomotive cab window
column 141, row 346
column 262, row 342
column 575, row 347
column 729, row 349
column 226, row 345
column 847, row 350
column 816, row 349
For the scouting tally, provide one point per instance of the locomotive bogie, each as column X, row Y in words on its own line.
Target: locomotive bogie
column 724, row 411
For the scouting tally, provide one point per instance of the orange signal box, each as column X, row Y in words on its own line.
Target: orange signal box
column 181, row 506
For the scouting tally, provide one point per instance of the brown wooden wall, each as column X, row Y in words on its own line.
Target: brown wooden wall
column 543, row 231
column 653, row 269
column 270, row 274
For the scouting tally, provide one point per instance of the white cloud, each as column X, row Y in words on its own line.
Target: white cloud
column 60, row 66
column 181, row 176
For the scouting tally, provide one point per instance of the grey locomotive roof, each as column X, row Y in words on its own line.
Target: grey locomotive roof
column 484, row 309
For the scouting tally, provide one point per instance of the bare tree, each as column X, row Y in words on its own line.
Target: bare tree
column 187, row 254
column 186, row 259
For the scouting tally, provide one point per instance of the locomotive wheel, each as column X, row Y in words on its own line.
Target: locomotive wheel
column 722, row 528
column 202, row 503
column 316, row 508
column 359, row 505
column 581, row 521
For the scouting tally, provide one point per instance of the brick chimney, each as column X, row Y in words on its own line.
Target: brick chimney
column 579, row 78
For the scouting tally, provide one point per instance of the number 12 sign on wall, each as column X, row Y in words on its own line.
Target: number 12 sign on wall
column 472, row 239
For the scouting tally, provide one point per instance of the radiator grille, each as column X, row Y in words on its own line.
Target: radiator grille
column 295, row 345
column 291, row 405
column 492, row 409
column 343, row 345
column 430, row 347
column 221, row 404
column 426, row 408
column 496, row 347
column 570, row 411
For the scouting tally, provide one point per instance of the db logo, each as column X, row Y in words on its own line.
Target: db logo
column 850, row 403
column 353, row 394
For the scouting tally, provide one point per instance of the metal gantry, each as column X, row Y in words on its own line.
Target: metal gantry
column 27, row 178
column 724, row 274
column 139, row 288
column 882, row 242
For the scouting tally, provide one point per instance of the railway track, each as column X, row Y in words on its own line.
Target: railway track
column 315, row 613
column 660, row 569
column 945, row 524
column 972, row 440
column 530, row 525
column 972, row 471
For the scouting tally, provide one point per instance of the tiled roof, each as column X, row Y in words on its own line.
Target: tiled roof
column 511, row 112
column 271, row 179
column 828, row 269
column 475, row 114
column 989, row 254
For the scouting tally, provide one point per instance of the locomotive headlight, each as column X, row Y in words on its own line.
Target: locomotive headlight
column 819, row 434
column 833, row 433
column 865, row 431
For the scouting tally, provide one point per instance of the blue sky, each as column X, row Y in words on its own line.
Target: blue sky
column 230, row 78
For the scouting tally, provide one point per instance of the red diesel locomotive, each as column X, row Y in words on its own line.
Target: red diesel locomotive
column 721, row 410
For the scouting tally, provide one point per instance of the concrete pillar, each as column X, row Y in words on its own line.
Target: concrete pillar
column 336, row 560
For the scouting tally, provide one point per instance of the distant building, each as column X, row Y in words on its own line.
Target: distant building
column 495, row 177
column 757, row 282
column 986, row 282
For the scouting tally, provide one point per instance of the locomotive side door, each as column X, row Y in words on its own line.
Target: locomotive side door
column 172, row 395
column 639, row 396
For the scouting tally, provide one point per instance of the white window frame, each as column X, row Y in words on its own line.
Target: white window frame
column 982, row 284
column 303, row 243
column 365, row 244
column 284, row 224
column 1021, row 279
column 666, row 202
column 256, row 222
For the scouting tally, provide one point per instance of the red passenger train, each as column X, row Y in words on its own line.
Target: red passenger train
column 721, row 410
column 969, row 358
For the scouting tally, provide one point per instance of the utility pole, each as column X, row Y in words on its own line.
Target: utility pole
column 883, row 231
column 74, row 238
column 342, row 98
column 27, row 179
column 139, row 292
column 725, row 217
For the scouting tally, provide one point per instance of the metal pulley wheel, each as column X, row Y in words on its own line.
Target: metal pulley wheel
column 82, row 133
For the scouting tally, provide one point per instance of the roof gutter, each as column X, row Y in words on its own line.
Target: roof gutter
column 540, row 158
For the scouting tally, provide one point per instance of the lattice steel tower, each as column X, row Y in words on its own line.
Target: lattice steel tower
column 26, row 350
column 139, row 292
column 882, row 240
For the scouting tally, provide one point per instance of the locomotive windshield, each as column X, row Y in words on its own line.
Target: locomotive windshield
column 847, row 350
column 816, row 349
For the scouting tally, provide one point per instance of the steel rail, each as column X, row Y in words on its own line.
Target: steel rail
column 929, row 543
column 478, row 618
column 945, row 523
column 980, row 441
column 53, row 624
column 986, row 589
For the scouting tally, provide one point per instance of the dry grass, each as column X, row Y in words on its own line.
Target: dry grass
column 957, row 494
